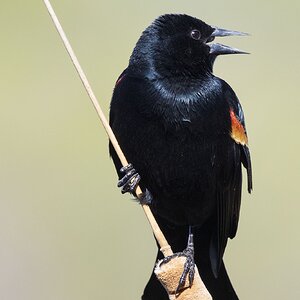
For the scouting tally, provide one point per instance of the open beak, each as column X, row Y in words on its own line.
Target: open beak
column 219, row 49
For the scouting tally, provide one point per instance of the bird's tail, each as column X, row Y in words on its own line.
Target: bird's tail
column 219, row 287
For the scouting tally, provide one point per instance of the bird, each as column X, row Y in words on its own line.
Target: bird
column 183, row 131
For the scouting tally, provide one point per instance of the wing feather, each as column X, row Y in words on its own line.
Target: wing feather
column 228, row 205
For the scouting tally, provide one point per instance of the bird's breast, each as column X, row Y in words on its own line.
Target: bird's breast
column 194, row 106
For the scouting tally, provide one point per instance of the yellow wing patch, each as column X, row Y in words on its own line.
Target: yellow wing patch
column 238, row 132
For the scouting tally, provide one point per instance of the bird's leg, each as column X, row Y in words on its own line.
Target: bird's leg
column 189, row 266
column 130, row 181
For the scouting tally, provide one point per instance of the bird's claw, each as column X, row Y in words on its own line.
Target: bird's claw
column 189, row 266
column 189, row 269
column 130, row 180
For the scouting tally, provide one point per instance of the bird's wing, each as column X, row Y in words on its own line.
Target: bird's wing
column 230, row 183
column 239, row 135
column 228, row 194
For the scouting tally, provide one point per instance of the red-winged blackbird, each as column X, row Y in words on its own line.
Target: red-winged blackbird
column 183, row 130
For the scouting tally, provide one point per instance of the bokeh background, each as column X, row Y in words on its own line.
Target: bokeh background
column 65, row 230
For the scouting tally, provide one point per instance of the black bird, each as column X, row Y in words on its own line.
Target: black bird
column 183, row 130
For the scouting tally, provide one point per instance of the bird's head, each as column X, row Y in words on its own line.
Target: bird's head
column 179, row 45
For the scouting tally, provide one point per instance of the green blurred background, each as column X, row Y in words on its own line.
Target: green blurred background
column 65, row 230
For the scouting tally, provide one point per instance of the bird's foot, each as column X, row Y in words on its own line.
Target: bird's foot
column 189, row 266
column 130, row 181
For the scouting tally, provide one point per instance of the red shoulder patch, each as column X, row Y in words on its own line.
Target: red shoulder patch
column 238, row 132
column 120, row 79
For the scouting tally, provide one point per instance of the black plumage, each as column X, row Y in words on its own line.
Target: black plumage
column 183, row 130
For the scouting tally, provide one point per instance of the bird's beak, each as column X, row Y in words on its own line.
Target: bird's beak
column 224, row 32
column 219, row 49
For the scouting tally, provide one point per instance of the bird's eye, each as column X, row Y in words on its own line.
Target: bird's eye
column 210, row 39
column 195, row 34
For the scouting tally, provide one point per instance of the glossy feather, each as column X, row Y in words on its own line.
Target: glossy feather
column 174, row 119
